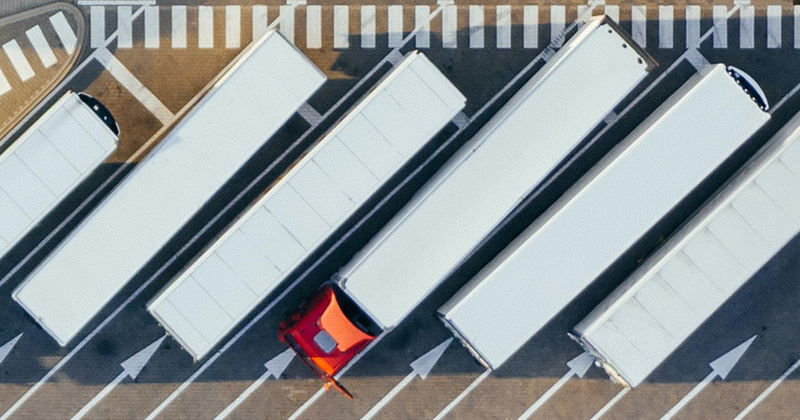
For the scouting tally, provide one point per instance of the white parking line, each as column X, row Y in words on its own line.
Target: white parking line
column 286, row 26
column 639, row 25
column 313, row 27
column 64, row 32
column 4, row 85
column 796, row 10
column 395, row 26
column 767, row 391
column 773, row 26
column 558, row 19
column 40, row 45
column 610, row 404
column 475, row 26
column 18, row 60
column 503, row 25
column 422, row 22
column 449, row 26
column 692, row 26
column 720, row 18
column 367, row 26
column 97, row 26
column 125, row 27
column 746, row 33
column 612, row 11
column 178, row 26
column 530, row 26
column 152, row 34
column 205, row 27
column 233, row 26
column 341, row 27
column 665, row 26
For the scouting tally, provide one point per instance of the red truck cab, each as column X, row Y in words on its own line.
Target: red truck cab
column 325, row 334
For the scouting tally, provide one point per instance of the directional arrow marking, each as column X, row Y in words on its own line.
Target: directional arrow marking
column 7, row 347
column 275, row 368
column 420, row 367
column 577, row 367
column 767, row 391
column 130, row 368
column 720, row 367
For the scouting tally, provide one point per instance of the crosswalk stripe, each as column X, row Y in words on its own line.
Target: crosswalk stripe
column 40, row 45
column 395, row 26
column 97, row 26
column 4, row 85
column 558, row 19
column 124, row 27
column 612, row 11
column 65, row 33
column 178, row 26
column 692, row 26
column 720, row 19
column 449, row 26
column 367, row 26
column 152, row 35
column 796, row 10
column 503, row 25
column 205, row 27
column 422, row 21
column 773, row 26
column 530, row 26
column 639, row 24
column 313, row 27
column 18, row 60
column 259, row 13
column 746, row 33
column 665, row 26
column 286, row 26
column 341, row 25
column 233, row 26
column 475, row 26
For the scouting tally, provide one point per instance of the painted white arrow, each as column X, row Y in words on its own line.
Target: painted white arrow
column 768, row 391
column 275, row 368
column 420, row 367
column 7, row 347
column 720, row 367
column 131, row 367
column 577, row 367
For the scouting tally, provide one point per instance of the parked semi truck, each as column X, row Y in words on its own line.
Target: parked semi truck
column 249, row 101
column 49, row 160
column 259, row 250
column 471, row 194
column 701, row 266
column 605, row 213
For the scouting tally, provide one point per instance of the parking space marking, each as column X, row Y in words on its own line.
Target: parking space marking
column 558, row 19
column 530, row 26
column 450, row 26
column 259, row 17
column 796, row 10
column 720, row 18
column 286, row 25
column 64, row 32
column 341, row 27
column 4, row 85
column 18, row 60
column 233, row 27
column 665, row 26
column 125, row 27
column 395, row 25
column 367, row 26
column 639, row 25
column 475, row 26
column 773, row 26
column 313, row 27
column 152, row 35
column 40, row 45
column 447, row 409
column 503, row 25
column 767, row 391
column 692, row 26
column 97, row 26
column 746, row 33
column 422, row 23
column 178, row 26
column 205, row 27
column 612, row 11
column 610, row 404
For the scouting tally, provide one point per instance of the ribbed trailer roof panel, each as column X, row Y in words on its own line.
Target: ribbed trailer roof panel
column 253, row 99
column 603, row 215
column 253, row 256
column 545, row 120
column 701, row 266
column 45, row 164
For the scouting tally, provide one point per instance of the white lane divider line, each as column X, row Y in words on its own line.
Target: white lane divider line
column 796, row 10
column 503, row 25
column 422, row 21
column 313, row 27
column 125, row 27
column 178, row 26
column 152, row 30
column 692, row 27
column 530, row 26
column 205, row 27
column 233, row 26
column 367, row 26
column 341, row 27
column 40, row 45
column 746, row 33
column 639, row 25
column 612, row 11
column 97, row 26
column 65, row 33
column 134, row 86
column 259, row 13
column 449, row 26
column 4, row 85
column 395, row 26
column 720, row 18
column 18, row 60
column 286, row 18
column 475, row 26
column 665, row 26
column 558, row 19
column 773, row 26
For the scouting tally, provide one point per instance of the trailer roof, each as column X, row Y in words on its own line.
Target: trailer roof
column 237, row 116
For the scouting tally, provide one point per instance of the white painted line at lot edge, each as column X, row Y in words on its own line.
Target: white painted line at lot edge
column 720, row 18
column 767, row 391
column 233, row 26
column 610, row 404
column 773, row 26
column 558, row 19
column 341, row 27
column 447, row 409
column 475, row 26
column 578, row 367
column 97, row 26
column 639, row 25
column 367, row 26
column 259, row 13
column 503, row 20
column 205, row 27
column 612, row 11
column 692, row 26
column 152, row 35
column 422, row 22
column 18, row 60
column 530, row 26
column 275, row 368
column 395, row 26
column 125, row 27
column 286, row 22
column 313, row 27
column 450, row 26
column 40, row 45
column 665, row 26
column 746, row 27
column 178, row 26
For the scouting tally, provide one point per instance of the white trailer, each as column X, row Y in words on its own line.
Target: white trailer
column 472, row 193
column 685, row 281
column 49, row 160
column 347, row 166
column 604, row 213
column 249, row 102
